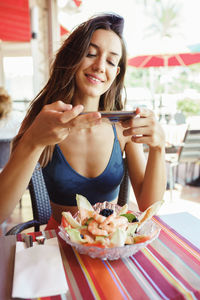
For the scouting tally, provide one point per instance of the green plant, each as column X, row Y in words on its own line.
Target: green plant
column 188, row 107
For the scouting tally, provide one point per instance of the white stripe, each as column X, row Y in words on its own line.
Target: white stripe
column 149, row 278
column 176, row 279
column 152, row 294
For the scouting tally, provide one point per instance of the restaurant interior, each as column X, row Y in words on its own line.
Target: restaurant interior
column 166, row 268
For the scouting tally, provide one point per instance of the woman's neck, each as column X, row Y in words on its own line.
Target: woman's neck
column 90, row 104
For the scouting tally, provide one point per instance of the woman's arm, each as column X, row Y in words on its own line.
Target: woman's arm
column 50, row 127
column 148, row 178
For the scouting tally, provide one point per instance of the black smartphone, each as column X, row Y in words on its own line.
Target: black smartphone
column 116, row 116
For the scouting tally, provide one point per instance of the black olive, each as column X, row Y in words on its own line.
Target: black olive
column 106, row 212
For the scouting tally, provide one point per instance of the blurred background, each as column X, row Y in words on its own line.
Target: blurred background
column 31, row 32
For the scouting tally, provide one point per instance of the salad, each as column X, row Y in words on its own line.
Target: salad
column 107, row 228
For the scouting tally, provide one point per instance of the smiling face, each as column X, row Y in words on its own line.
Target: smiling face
column 99, row 68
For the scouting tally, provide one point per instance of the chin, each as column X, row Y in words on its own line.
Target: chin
column 93, row 94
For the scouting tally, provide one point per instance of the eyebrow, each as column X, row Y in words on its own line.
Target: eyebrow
column 97, row 47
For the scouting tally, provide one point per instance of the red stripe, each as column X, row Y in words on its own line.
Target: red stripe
column 95, row 280
column 108, row 287
column 69, row 284
column 128, row 280
column 158, row 279
column 171, row 269
column 58, row 297
column 35, row 234
column 180, row 251
column 197, row 294
column 77, row 272
column 63, row 244
column 167, row 227
column 19, row 237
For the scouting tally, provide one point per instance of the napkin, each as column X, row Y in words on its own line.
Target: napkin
column 38, row 270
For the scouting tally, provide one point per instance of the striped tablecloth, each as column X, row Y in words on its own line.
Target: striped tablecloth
column 168, row 268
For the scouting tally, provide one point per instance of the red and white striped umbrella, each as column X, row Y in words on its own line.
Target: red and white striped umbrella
column 164, row 60
column 166, row 52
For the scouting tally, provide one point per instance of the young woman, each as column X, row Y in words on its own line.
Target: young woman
column 82, row 154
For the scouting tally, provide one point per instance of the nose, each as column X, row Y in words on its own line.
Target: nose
column 99, row 65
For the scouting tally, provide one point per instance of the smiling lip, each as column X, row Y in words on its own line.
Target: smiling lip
column 93, row 79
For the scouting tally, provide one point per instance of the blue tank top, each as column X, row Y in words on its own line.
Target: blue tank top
column 63, row 182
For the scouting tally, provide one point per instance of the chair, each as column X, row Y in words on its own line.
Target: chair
column 4, row 151
column 188, row 153
column 41, row 203
column 4, row 157
column 179, row 118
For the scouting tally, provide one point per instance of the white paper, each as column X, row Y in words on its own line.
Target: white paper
column 38, row 271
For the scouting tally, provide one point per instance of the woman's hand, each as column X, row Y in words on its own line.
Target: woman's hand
column 144, row 128
column 148, row 175
column 53, row 123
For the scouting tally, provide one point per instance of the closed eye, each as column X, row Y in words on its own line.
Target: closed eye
column 91, row 55
column 94, row 55
column 111, row 63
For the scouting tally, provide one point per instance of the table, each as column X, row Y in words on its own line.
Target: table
column 174, row 134
column 168, row 268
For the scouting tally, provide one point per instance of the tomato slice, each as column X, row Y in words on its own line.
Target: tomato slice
column 95, row 245
column 141, row 239
column 64, row 222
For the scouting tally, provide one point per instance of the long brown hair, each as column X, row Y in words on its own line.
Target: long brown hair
column 61, row 84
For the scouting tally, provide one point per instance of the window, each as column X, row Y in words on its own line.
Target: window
column 18, row 72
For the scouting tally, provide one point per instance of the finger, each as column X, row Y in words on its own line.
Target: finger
column 59, row 106
column 140, row 139
column 68, row 115
column 137, row 131
column 144, row 118
column 145, row 113
column 90, row 117
column 136, row 122
column 86, row 120
column 129, row 121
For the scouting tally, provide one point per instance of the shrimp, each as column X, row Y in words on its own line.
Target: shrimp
column 110, row 228
column 88, row 239
column 98, row 218
column 112, row 223
column 108, row 220
column 93, row 228
column 115, row 221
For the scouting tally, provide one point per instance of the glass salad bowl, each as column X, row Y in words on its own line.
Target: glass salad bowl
column 150, row 228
